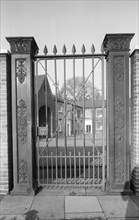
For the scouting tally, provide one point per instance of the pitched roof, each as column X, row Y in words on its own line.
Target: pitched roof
column 39, row 80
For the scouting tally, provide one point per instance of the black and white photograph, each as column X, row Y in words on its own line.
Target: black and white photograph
column 69, row 109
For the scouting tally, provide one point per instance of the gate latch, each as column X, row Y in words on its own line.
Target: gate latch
column 42, row 131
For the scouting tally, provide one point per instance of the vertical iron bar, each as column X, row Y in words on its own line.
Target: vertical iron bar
column 47, row 150
column 84, row 116
column 46, row 103
column 70, row 165
column 65, row 121
column 93, row 119
column 103, row 128
column 93, row 166
column 56, row 109
column 42, row 168
column 74, row 125
column 52, row 166
column 98, row 167
column 37, row 114
column 79, row 166
column 61, row 164
column 47, row 170
column 93, row 105
column 93, row 101
column 89, row 166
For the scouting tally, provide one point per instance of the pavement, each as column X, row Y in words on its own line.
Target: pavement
column 51, row 204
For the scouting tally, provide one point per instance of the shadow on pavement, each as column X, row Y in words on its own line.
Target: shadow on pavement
column 32, row 215
column 129, row 197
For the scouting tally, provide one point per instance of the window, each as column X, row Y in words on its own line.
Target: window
column 88, row 113
column 88, row 128
column 78, row 114
column 60, row 108
column 60, row 125
column 99, row 125
column 99, row 112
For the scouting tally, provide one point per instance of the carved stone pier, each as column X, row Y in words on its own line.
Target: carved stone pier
column 116, row 47
column 23, row 117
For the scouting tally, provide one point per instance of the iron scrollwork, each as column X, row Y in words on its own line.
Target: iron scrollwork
column 22, row 121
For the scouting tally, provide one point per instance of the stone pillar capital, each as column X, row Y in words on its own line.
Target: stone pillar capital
column 116, row 42
column 23, row 45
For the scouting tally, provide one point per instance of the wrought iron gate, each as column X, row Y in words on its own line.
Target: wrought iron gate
column 71, row 119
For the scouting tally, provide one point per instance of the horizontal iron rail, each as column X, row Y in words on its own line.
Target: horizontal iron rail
column 72, row 156
column 70, row 56
column 51, row 185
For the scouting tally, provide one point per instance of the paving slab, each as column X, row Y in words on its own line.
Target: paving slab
column 82, row 207
column 120, row 218
column 135, row 199
column 77, row 204
column 12, row 217
column 15, row 205
column 85, row 216
column 1, row 197
column 119, row 207
column 61, row 192
column 49, row 207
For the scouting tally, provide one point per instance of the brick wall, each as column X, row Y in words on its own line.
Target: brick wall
column 135, row 120
column 6, row 174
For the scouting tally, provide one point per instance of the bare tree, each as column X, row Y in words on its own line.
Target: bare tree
column 80, row 89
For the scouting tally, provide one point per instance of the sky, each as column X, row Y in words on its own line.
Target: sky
column 68, row 22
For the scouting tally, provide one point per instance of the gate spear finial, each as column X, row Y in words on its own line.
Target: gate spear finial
column 45, row 50
column 93, row 49
column 64, row 50
column 55, row 50
column 73, row 49
column 83, row 49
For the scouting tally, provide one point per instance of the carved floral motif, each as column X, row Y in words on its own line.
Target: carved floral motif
column 21, row 71
column 22, row 121
column 23, row 45
column 119, row 119
column 119, row 68
column 20, row 46
column 119, row 170
column 117, row 42
column 23, row 172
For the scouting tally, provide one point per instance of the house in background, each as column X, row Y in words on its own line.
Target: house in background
column 74, row 112
column 71, row 115
column 96, row 117
column 40, row 89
